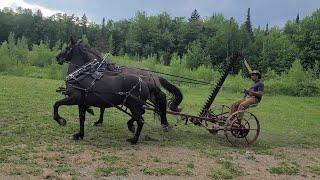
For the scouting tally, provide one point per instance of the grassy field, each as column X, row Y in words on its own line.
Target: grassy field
column 32, row 145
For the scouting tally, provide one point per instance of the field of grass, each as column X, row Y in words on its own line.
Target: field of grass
column 33, row 145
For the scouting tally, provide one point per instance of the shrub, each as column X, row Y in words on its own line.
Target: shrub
column 296, row 82
column 41, row 55
column 196, row 56
column 5, row 57
column 270, row 75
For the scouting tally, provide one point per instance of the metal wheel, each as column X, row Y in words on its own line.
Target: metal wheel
column 242, row 128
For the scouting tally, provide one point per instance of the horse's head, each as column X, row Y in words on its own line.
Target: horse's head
column 67, row 53
column 77, row 53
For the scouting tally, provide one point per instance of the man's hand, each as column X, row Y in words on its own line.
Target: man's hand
column 250, row 93
column 256, row 94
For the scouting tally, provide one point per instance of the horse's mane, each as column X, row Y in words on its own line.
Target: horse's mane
column 91, row 50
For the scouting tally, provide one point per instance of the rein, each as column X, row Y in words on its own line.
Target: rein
column 81, row 70
column 86, row 51
column 193, row 81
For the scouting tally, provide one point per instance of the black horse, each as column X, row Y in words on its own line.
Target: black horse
column 85, row 54
column 110, row 90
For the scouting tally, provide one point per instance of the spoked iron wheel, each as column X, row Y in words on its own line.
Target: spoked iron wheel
column 219, row 113
column 242, row 128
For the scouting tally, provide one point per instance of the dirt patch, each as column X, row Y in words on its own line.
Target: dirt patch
column 258, row 166
column 157, row 162
column 144, row 162
column 185, row 162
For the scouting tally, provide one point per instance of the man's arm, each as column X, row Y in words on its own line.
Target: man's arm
column 256, row 94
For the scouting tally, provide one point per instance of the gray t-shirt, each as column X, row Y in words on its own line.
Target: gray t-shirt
column 257, row 86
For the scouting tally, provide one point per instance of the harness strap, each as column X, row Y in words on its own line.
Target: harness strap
column 113, row 105
column 82, row 70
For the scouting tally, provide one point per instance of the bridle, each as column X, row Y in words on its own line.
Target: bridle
column 70, row 50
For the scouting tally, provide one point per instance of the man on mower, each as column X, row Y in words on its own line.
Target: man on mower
column 252, row 95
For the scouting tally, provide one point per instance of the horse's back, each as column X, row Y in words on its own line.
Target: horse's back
column 145, row 75
column 121, row 84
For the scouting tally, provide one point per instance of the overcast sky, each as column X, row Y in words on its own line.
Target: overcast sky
column 274, row 12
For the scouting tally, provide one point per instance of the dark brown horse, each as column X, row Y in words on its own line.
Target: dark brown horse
column 86, row 53
column 109, row 90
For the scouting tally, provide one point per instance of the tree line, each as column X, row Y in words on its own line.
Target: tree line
column 200, row 40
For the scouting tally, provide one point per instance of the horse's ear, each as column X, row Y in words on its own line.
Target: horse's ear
column 72, row 41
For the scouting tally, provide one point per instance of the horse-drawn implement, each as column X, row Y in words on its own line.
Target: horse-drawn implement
column 240, row 128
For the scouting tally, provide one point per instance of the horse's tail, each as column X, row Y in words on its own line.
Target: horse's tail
column 175, row 91
column 159, row 99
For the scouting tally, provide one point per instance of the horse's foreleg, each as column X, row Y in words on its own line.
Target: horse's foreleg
column 137, row 113
column 82, row 118
column 66, row 101
column 100, row 121
column 135, row 138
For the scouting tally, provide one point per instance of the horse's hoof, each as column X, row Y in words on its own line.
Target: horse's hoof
column 62, row 122
column 165, row 128
column 77, row 136
column 132, row 140
column 97, row 123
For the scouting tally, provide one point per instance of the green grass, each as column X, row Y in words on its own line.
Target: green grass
column 110, row 159
column 123, row 171
column 314, row 169
column 26, row 109
column 190, row 165
column 228, row 171
column 27, row 127
column 161, row 171
column 285, row 168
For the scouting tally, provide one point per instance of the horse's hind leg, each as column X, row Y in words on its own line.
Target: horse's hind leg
column 137, row 112
column 131, row 126
column 160, row 101
column 66, row 101
column 82, row 118
column 100, row 121
column 162, row 108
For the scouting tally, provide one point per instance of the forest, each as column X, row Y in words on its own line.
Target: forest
column 29, row 39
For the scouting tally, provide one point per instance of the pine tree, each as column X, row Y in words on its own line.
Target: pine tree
column 22, row 50
column 39, row 14
column 297, row 18
column 101, row 37
column 195, row 16
column 249, row 26
column 84, row 23
column 103, row 26
column 84, row 39
column 110, row 44
column 266, row 32
column 12, row 47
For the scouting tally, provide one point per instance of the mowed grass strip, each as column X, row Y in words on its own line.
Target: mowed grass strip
column 26, row 106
